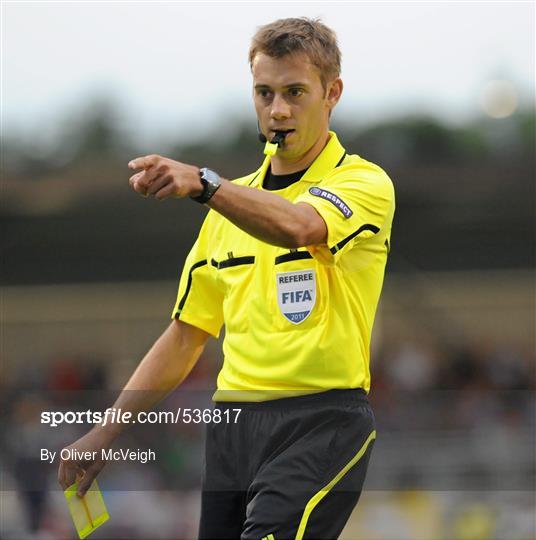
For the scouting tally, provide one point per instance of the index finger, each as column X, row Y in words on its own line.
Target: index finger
column 142, row 162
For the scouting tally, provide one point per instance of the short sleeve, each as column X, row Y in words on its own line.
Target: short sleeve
column 357, row 203
column 199, row 301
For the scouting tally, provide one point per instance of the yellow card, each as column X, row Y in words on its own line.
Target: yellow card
column 88, row 512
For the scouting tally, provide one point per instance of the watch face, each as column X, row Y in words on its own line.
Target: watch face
column 210, row 176
column 211, row 182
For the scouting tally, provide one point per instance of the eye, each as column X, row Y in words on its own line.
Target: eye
column 295, row 92
column 264, row 93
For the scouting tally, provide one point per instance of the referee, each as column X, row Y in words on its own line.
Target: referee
column 291, row 260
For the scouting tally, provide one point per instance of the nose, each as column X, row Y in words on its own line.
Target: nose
column 280, row 108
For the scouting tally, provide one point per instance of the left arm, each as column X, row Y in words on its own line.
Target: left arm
column 264, row 215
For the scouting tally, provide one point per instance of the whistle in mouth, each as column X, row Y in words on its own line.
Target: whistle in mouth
column 271, row 147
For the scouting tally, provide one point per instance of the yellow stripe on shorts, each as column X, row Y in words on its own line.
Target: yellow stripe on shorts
column 315, row 499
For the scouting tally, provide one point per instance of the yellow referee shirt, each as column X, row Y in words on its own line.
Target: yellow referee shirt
column 296, row 321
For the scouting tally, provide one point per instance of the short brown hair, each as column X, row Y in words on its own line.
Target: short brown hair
column 300, row 35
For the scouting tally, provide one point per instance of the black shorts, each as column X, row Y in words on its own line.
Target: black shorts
column 290, row 468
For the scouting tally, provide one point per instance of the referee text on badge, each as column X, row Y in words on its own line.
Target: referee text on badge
column 296, row 294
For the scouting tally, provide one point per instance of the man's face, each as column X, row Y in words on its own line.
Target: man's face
column 288, row 94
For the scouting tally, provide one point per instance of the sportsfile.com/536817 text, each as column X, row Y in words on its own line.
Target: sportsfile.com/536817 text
column 117, row 415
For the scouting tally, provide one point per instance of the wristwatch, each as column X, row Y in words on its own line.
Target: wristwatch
column 211, row 181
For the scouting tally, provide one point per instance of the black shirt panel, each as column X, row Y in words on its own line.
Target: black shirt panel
column 273, row 182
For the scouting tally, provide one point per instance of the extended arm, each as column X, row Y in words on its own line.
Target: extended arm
column 269, row 217
column 165, row 366
column 264, row 215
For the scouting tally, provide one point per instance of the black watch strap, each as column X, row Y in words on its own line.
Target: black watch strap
column 211, row 182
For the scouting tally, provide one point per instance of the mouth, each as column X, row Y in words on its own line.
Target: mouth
column 280, row 135
column 285, row 131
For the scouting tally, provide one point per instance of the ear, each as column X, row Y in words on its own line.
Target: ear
column 334, row 92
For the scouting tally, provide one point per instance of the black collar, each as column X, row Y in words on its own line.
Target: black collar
column 273, row 182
